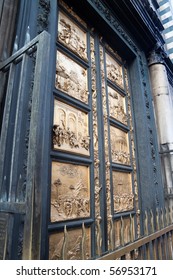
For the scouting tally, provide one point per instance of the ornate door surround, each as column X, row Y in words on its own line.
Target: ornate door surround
column 93, row 189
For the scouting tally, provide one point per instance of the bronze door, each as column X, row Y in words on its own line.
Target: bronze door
column 93, row 192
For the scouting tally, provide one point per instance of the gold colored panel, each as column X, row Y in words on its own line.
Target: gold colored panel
column 73, row 245
column 70, row 192
column 117, row 106
column 71, row 78
column 72, row 36
column 119, row 146
column 122, row 229
column 122, row 191
column 70, row 130
column 117, row 230
column 114, row 71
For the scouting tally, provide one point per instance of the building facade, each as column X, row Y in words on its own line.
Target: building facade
column 166, row 16
column 86, row 145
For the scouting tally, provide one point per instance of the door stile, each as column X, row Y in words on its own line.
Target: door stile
column 109, row 220
column 97, row 183
column 136, row 219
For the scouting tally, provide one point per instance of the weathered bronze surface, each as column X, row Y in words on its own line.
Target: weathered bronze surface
column 114, row 71
column 107, row 155
column 119, row 146
column 72, row 36
column 70, row 130
column 133, row 154
column 97, row 184
column 122, row 191
column 117, row 107
column 71, row 78
column 70, row 245
column 123, row 230
column 70, row 192
column 4, row 220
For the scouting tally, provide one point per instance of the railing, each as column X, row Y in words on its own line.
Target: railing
column 24, row 91
column 155, row 244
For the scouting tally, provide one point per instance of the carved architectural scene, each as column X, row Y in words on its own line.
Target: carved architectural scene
column 71, row 78
column 114, row 71
column 122, row 191
column 119, row 146
column 117, row 106
column 72, row 36
column 70, row 192
column 71, row 245
column 70, row 129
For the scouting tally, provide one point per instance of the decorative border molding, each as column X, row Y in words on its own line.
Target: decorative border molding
column 148, row 105
column 43, row 15
column 98, row 218
column 114, row 23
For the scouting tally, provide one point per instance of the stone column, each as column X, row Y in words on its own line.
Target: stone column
column 164, row 117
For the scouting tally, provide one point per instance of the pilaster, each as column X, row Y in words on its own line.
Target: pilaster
column 163, row 113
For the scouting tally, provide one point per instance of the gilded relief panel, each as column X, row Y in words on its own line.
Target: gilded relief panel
column 122, row 191
column 71, row 245
column 117, row 106
column 70, row 130
column 71, row 78
column 73, row 37
column 122, row 231
column 119, row 146
column 70, row 192
column 114, row 71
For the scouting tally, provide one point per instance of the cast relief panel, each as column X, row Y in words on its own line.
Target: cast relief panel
column 119, row 146
column 70, row 129
column 71, row 78
column 70, row 245
column 117, row 106
column 70, row 192
column 122, row 236
column 73, row 37
column 122, row 191
column 114, row 71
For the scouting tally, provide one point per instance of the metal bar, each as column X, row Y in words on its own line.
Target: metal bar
column 122, row 232
column 13, row 207
column 147, row 246
column 83, row 245
column 132, row 255
column 165, row 244
column 139, row 243
column 154, row 249
column 169, row 246
column 20, row 52
column 5, row 123
column 160, row 248
column 17, row 128
column 35, row 182
column 64, row 246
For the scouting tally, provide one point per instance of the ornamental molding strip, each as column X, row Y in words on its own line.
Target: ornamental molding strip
column 113, row 22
